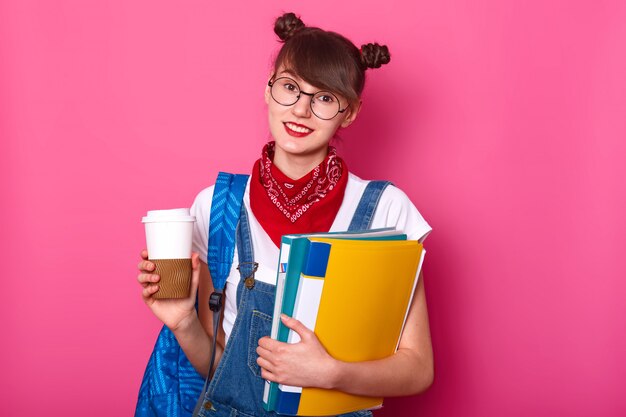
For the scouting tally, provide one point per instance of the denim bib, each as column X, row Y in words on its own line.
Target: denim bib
column 236, row 388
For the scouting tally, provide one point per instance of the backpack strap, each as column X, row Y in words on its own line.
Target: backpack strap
column 362, row 219
column 225, row 211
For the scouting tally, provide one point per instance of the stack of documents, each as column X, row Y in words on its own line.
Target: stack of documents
column 353, row 290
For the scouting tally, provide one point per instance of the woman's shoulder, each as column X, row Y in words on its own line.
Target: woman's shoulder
column 391, row 193
column 201, row 206
column 201, row 209
column 205, row 192
column 395, row 209
column 202, row 202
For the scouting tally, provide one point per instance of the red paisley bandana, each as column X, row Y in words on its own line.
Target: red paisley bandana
column 285, row 206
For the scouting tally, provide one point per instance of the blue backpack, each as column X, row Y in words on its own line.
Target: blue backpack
column 171, row 386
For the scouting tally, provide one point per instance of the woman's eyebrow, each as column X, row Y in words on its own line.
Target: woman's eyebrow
column 290, row 72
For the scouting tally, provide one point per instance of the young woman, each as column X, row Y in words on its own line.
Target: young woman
column 299, row 185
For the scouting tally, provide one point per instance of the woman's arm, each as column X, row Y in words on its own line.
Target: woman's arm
column 194, row 331
column 307, row 364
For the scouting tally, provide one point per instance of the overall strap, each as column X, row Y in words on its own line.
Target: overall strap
column 245, row 252
column 362, row 219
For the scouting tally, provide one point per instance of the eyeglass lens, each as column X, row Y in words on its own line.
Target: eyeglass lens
column 286, row 92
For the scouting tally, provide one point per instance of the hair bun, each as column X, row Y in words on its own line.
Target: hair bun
column 287, row 25
column 374, row 55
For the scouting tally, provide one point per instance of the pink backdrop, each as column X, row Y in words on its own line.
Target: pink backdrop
column 502, row 120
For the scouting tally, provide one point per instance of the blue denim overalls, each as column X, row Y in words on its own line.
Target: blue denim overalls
column 236, row 388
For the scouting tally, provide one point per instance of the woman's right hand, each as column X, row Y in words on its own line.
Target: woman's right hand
column 174, row 313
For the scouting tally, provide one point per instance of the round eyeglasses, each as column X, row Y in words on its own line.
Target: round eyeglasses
column 286, row 92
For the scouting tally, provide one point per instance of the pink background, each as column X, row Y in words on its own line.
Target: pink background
column 502, row 120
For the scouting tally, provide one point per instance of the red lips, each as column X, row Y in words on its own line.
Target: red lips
column 295, row 133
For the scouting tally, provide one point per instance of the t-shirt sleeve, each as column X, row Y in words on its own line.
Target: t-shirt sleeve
column 201, row 208
column 395, row 209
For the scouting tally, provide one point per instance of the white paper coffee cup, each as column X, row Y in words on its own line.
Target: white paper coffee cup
column 169, row 233
column 169, row 242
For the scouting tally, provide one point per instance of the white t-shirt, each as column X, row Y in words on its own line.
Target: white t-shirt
column 394, row 210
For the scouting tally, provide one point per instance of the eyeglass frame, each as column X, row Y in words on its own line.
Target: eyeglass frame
column 271, row 83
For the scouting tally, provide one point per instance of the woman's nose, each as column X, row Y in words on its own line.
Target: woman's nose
column 302, row 107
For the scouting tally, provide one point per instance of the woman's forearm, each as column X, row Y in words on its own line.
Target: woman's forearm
column 196, row 344
column 308, row 364
column 404, row 373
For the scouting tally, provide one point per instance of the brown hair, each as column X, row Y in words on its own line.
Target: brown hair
column 326, row 59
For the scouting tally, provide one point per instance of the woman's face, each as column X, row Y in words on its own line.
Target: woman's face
column 296, row 129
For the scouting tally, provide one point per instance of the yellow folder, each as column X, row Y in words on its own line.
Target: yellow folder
column 368, row 287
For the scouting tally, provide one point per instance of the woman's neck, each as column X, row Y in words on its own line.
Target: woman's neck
column 297, row 166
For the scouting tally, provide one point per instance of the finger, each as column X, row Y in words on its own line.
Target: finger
column 148, row 278
column 296, row 326
column 268, row 343
column 145, row 266
column 195, row 279
column 264, row 364
column 144, row 254
column 195, row 261
column 268, row 376
column 264, row 353
column 149, row 290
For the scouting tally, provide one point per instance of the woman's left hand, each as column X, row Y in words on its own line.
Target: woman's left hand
column 302, row 364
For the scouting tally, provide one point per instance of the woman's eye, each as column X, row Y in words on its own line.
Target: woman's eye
column 290, row 87
column 326, row 99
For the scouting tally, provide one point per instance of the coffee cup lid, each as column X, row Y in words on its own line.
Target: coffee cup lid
column 172, row 215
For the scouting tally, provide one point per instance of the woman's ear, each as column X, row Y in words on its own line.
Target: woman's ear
column 353, row 112
column 268, row 93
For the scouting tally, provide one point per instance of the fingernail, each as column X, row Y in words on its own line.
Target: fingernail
column 284, row 317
